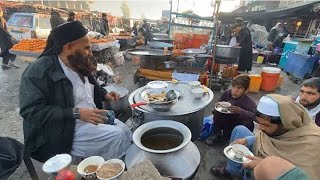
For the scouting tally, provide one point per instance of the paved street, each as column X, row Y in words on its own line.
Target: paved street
column 11, row 122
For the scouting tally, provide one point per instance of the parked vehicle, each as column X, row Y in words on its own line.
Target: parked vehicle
column 29, row 25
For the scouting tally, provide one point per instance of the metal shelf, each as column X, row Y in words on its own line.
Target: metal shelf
column 191, row 26
column 192, row 16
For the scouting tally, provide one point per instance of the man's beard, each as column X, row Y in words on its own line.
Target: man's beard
column 309, row 105
column 81, row 64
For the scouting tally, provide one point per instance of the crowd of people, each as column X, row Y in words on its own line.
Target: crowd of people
column 288, row 128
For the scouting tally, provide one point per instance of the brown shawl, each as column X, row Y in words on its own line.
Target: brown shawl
column 300, row 145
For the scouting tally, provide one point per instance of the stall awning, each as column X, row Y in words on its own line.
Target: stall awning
column 301, row 10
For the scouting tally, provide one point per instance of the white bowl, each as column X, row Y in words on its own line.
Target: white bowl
column 240, row 150
column 93, row 160
column 109, row 162
column 56, row 164
column 197, row 93
column 194, row 83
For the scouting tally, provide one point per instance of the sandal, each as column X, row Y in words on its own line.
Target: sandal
column 219, row 171
column 214, row 139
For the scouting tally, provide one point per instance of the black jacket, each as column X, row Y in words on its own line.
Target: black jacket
column 46, row 102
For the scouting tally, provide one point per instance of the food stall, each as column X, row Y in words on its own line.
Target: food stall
column 32, row 48
column 299, row 59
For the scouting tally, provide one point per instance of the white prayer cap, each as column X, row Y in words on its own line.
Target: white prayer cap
column 268, row 106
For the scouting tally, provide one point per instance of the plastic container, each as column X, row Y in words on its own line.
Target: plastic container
column 255, row 83
column 260, row 59
column 280, row 80
column 270, row 76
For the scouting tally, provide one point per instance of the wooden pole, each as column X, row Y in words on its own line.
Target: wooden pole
column 216, row 19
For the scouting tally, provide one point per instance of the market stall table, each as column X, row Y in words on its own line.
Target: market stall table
column 187, row 110
column 125, row 41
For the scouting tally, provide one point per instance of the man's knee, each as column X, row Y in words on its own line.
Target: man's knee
column 240, row 128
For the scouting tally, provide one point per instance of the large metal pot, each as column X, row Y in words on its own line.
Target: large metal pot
column 171, row 162
column 122, row 105
column 150, row 58
column 228, row 52
column 201, row 59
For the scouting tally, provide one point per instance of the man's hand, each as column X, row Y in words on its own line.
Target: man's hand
column 241, row 141
column 117, row 79
column 234, row 109
column 92, row 115
column 112, row 96
column 253, row 163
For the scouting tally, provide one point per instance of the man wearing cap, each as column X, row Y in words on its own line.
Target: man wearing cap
column 242, row 111
column 310, row 98
column 285, row 130
column 61, row 103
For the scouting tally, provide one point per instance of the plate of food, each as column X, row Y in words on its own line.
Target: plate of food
column 110, row 169
column 222, row 107
column 237, row 153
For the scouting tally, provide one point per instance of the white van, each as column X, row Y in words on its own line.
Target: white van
column 29, row 25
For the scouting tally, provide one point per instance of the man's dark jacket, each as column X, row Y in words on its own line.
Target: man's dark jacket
column 46, row 102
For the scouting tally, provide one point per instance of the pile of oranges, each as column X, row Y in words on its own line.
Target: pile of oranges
column 30, row 45
column 103, row 40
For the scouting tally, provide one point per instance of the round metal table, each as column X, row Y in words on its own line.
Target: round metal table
column 187, row 110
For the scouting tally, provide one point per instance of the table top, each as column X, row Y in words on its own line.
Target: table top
column 186, row 104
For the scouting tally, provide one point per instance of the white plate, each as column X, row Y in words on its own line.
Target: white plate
column 231, row 155
column 219, row 109
column 157, row 84
column 56, row 163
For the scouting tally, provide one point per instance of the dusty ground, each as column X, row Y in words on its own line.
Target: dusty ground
column 11, row 122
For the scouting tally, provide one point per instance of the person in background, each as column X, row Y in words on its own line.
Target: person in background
column 135, row 29
column 55, row 19
column 242, row 109
column 309, row 98
column 6, row 43
column 71, row 16
column 61, row 103
column 274, row 32
column 244, row 40
column 285, row 130
column 104, row 25
column 278, row 42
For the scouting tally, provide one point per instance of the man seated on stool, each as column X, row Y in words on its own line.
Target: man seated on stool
column 242, row 110
column 310, row 98
column 61, row 103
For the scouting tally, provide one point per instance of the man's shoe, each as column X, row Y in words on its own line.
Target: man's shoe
column 13, row 66
column 5, row 67
column 215, row 139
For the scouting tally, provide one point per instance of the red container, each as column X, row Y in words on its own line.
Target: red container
column 270, row 76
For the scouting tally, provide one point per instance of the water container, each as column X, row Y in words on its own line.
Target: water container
column 255, row 83
column 270, row 76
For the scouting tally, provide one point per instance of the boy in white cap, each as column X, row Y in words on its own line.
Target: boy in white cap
column 286, row 131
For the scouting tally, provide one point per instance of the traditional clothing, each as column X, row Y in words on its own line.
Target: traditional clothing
column 313, row 112
column 299, row 145
column 245, row 57
column 49, row 91
column 227, row 122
